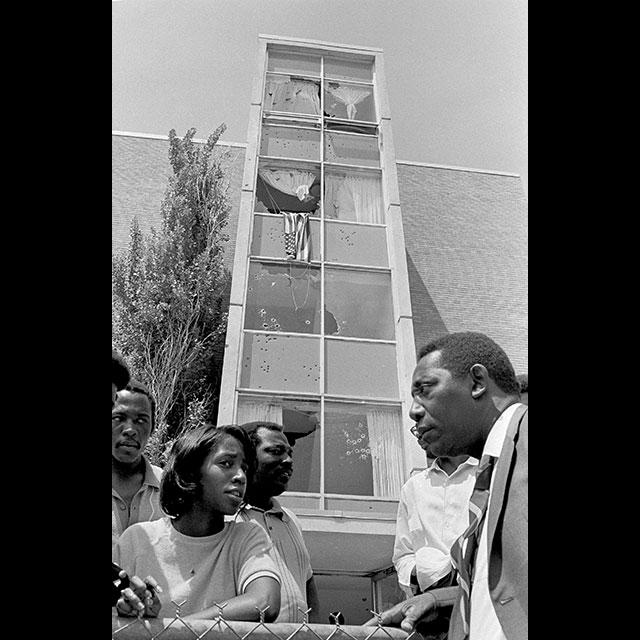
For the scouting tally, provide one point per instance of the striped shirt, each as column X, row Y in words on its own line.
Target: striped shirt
column 145, row 505
column 290, row 555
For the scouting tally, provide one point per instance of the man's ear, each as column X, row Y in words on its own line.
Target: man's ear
column 479, row 379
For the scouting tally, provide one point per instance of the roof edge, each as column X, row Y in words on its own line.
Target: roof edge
column 321, row 43
column 156, row 136
column 454, row 168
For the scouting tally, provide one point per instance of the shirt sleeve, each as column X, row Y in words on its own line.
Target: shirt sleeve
column 430, row 563
column 307, row 558
column 403, row 556
column 256, row 560
column 123, row 552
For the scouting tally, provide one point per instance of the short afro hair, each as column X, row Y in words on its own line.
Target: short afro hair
column 119, row 371
column 460, row 351
column 251, row 429
column 135, row 386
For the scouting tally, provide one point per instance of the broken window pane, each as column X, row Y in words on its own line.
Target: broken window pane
column 277, row 362
column 352, row 149
column 361, row 303
column 363, row 450
column 290, row 142
column 361, row 369
column 269, row 233
column 356, row 244
column 291, row 95
column 349, row 101
column 301, row 421
column 288, row 188
column 283, row 298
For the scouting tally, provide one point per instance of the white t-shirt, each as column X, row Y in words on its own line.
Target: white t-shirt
column 201, row 570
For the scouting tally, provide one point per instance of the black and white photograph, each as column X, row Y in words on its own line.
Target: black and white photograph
column 319, row 282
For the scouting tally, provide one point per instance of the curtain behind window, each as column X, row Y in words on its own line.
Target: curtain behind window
column 295, row 96
column 354, row 197
column 252, row 410
column 349, row 96
column 294, row 182
column 386, row 452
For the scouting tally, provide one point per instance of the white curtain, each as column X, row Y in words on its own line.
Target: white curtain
column 349, row 96
column 385, row 441
column 297, row 96
column 252, row 410
column 294, row 182
column 354, row 197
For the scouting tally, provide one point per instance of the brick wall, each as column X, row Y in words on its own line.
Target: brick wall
column 466, row 239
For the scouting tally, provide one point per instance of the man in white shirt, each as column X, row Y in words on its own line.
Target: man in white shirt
column 466, row 399
column 433, row 512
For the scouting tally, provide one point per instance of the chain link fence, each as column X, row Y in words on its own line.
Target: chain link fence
column 178, row 628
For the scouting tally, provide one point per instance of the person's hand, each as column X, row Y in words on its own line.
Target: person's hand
column 140, row 598
column 420, row 608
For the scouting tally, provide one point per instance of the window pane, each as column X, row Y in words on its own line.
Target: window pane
column 287, row 188
column 361, row 369
column 353, row 195
column 291, row 95
column 361, row 304
column 363, row 450
column 350, row 101
column 301, row 421
column 290, row 142
column 291, row 62
column 352, row 149
column 278, row 362
column 268, row 237
column 283, row 298
column 356, row 244
column 348, row 69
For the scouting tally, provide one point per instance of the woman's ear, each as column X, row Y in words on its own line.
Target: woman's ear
column 479, row 378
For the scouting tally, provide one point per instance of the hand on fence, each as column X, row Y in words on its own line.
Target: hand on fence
column 406, row 614
column 140, row 598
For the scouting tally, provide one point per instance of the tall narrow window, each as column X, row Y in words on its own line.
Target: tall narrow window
column 318, row 350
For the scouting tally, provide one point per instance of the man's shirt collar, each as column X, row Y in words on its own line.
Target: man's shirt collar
column 276, row 509
column 435, row 467
column 495, row 439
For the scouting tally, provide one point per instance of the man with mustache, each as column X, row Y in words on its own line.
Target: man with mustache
column 274, row 466
column 135, row 482
column 466, row 400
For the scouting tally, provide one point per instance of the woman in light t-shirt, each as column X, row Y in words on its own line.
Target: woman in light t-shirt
column 193, row 555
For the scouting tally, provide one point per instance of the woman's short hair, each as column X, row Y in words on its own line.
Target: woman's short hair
column 181, row 482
